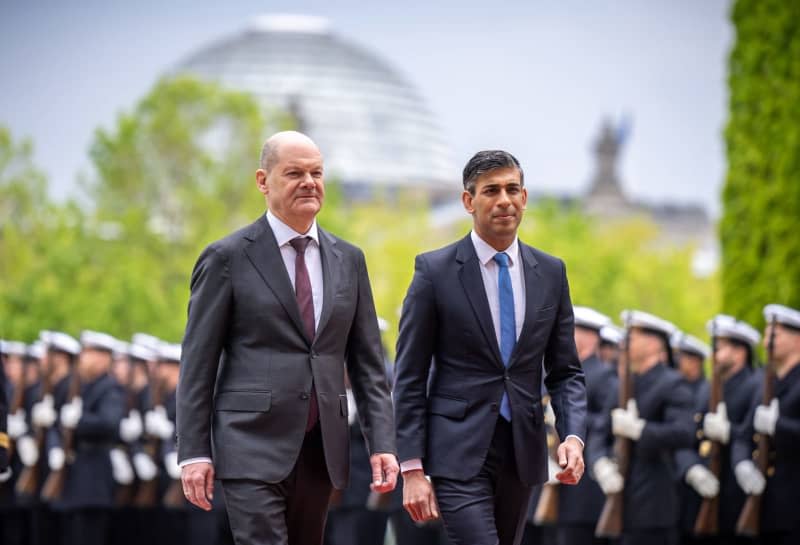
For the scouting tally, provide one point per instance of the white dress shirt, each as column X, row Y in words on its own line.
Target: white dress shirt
column 284, row 235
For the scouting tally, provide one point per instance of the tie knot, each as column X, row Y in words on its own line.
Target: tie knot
column 299, row 244
column 501, row 258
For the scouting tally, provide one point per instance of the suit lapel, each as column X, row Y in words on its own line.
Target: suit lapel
column 472, row 282
column 331, row 269
column 264, row 254
column 533, row 297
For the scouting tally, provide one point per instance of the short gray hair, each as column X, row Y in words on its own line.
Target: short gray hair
column 269, row 155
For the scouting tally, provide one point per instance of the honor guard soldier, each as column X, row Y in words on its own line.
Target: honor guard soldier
column 735, row 342
column 611, row 338
column 779, row 421
column 80, row 455
column 658, row 420
column 13, row 353
column 579, row 506
column 695, row 480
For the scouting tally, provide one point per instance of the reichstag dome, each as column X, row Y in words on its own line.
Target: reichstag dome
column 372, row 126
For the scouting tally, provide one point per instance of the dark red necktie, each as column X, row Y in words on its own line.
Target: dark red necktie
column 305, row 301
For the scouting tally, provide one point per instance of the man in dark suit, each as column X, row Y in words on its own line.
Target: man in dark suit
column 275, row 310
column 479, row 318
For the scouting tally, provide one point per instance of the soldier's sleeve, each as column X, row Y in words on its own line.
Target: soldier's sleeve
column 677, row 429
column 103, row 424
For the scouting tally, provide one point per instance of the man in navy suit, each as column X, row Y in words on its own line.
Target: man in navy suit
column 480, row 317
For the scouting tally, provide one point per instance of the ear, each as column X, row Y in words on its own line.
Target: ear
column 524, row 198
column 261, row 181
column 466, row 199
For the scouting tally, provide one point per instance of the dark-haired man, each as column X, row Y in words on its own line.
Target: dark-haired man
column 487, row 311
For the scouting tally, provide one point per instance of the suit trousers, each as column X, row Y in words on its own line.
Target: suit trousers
column 490, row 508
column 290, row 512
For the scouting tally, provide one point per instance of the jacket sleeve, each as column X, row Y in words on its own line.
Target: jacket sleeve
column 564, row 376
column 415, row 346
column 365, row 367
column 208, row 319
column 102, row 424
column 676, row 429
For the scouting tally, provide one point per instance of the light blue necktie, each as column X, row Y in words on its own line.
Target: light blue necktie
column 508, row 324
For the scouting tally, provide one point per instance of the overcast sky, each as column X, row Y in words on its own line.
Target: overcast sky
column 532, row 77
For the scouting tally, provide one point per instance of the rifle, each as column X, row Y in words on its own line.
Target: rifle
column 611, row 518
column 173, row 497
column 147, row 493
column 749, row 521
column 546, row 513
column 28, row 482
column 54, row 484
column 707, row 522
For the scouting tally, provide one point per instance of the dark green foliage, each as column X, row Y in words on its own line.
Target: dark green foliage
column 760, row 226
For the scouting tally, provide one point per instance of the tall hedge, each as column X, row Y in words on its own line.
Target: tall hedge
column 760, row 225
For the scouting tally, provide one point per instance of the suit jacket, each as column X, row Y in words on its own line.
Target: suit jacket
column 446, row 413
column 247, row 365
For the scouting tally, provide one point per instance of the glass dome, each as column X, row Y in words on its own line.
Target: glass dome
column 372, row 126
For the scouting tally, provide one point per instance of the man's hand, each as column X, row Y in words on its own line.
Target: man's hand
column 570, row 458
column 418, row 497
column 198, row 484
column 384, row 472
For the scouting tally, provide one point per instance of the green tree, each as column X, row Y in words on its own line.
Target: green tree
column 761, row 198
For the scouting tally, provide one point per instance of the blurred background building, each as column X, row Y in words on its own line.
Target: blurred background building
column 376, row 132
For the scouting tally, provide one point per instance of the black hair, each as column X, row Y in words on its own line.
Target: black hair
column 488, row 160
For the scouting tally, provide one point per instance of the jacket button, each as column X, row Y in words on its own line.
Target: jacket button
column 304, row 396
column 314, row 355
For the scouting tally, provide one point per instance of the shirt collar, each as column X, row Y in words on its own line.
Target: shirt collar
column 284, row 234
column 486, row 253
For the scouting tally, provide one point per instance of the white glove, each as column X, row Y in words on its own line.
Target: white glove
column 171, row 464
column 17, row 427
column 766, row 417
column 43, row 413
column 55, row 458
column 120, row 466
column 71, row 413
column 157, row 424
column 352, row 408
column 626, row 422
column 607, row 475
column 27, row 450
column 146, row 470
column 549, row 415
column 6, row 475
column 716, row 425
column 552, row 469
column 130, row 427
column 703, row 481
column 749, row 478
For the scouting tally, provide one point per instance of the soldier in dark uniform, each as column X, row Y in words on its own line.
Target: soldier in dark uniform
column 580, row 505
column 5, row 442
column 736, row 342
column 694, row 480
column 611, row 338
column 780, row 420
column 92, row 419
column 54, row 355
column 12, row 516
column 658, row 419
